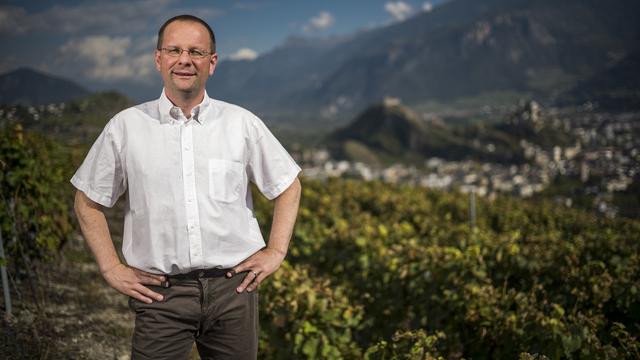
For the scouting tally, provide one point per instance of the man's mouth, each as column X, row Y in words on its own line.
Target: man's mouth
column 183, row 73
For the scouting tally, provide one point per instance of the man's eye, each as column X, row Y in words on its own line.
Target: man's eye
column 173, row 51
column 196, row 52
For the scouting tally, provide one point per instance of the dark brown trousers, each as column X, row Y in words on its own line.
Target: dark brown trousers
column 207, row 310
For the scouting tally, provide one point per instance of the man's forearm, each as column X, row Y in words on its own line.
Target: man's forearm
column 284, row 218
column 95, row 230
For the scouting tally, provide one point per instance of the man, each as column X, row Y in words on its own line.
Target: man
column 194, row 251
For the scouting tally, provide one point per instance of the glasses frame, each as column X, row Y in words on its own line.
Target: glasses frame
column 189, row 52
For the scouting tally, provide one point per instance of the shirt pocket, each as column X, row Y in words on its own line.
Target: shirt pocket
column 225, row 179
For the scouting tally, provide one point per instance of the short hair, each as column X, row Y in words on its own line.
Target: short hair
column 187, row 18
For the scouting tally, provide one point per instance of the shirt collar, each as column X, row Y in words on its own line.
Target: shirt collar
column 170, row 114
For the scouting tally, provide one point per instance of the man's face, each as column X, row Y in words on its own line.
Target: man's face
column 183, row 74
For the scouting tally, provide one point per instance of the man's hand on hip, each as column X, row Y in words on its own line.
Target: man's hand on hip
column 130, row 281
column 259, row 266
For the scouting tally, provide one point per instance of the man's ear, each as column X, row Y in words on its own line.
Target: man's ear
column 157, row 59
column 214, row 62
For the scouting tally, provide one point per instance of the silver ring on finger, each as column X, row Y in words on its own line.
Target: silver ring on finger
column 254, row 273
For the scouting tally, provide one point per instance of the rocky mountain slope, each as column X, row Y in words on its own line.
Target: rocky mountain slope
column 462, row 48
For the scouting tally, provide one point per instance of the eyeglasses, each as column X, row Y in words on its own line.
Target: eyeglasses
column 193, row 53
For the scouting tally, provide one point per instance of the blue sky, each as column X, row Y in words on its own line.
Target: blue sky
column 109, row 44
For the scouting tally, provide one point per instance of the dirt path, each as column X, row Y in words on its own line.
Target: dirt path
column 77, row 315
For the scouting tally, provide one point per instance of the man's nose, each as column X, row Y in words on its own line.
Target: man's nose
column 184, row 57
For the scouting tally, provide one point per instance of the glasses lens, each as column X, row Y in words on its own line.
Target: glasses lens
column 196, row 53
column 174, row 51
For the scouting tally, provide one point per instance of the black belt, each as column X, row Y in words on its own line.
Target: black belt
column 201, row 273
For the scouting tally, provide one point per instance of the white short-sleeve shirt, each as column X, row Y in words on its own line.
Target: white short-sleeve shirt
column 189, row 203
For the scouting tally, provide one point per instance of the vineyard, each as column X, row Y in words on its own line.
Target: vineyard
column 379, row 271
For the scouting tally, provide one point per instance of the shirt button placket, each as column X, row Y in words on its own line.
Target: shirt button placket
column 188, row 168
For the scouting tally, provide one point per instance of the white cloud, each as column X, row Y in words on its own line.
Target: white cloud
column 321, row 21
column 400, row 10
column 244, row 54
column 95, row 17
column 427, row 7
column 110, row 59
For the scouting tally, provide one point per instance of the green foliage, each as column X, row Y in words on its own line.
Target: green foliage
column 395, row 272
column 34, row 197
column 307, row 317
column 410, row 345
column 531, row 278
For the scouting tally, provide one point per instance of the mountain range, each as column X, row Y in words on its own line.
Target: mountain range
column 25, row 86
column 462, row 48
column 565, row 52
